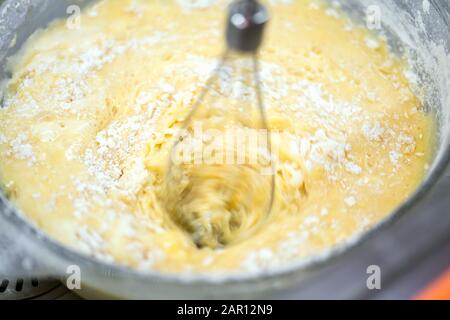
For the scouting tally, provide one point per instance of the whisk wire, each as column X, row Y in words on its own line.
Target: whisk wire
column 265, row 124
column 206, row 87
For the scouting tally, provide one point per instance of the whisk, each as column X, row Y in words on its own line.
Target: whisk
column 220, row 181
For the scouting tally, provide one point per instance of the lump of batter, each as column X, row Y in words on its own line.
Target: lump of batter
column 91, row 113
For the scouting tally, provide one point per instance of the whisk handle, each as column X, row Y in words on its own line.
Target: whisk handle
column 246, row 22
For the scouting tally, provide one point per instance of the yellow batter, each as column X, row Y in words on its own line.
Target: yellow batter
column 91, row 114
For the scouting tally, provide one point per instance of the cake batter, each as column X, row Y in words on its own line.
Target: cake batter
column 91, row 113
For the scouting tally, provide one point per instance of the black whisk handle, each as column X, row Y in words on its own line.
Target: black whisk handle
column 246, row 22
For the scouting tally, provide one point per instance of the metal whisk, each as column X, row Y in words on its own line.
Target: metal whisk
column 218, row 203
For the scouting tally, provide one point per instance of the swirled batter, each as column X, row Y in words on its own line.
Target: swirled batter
column 94, row 105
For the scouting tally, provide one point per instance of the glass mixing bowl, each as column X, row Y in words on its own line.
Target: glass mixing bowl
column 417, row 28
